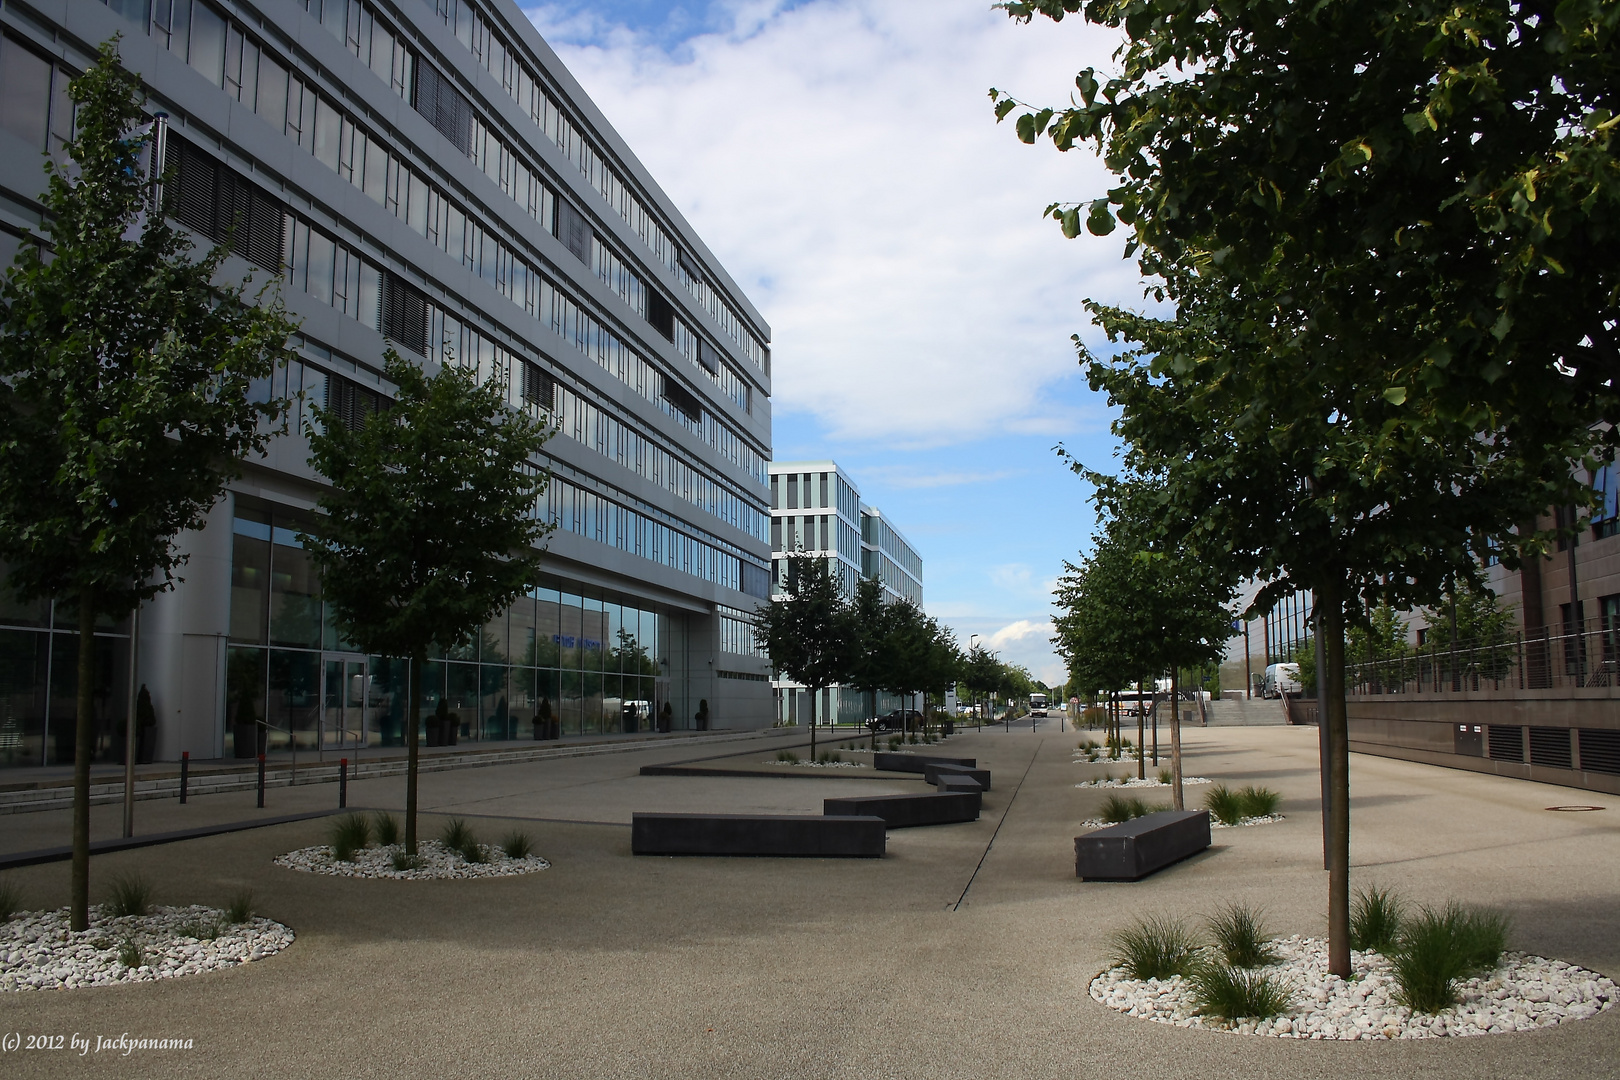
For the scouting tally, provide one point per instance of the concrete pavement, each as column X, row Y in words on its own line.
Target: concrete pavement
column 966, row 952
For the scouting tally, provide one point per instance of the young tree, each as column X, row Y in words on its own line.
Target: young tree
column 981, row 672
column 871, row 660
column 124, row 409
column 431, row 525
column 1390, row 243
column 807, row 632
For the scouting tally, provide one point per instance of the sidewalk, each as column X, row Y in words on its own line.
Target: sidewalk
column 967, row 951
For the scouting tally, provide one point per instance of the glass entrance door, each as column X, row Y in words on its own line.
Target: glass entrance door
column 343, row 703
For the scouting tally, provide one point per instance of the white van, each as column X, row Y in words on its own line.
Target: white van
column 1281, row 678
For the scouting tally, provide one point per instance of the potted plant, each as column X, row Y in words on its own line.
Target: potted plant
column 542, row 721
column 702, row 716
column 438, row 725
column 145, row 727
column 247, row 734
column 666, row 718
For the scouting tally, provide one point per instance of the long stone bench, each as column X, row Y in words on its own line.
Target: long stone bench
column 916, row 763
column 905, row 811
column 1134, row 849
column 957, row 782
column 939, row 768
column 757, row 834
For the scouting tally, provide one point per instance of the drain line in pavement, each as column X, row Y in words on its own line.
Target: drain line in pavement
column 957, row 906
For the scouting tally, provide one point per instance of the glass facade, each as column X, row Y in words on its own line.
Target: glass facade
column 555, row 663
column 39, row 683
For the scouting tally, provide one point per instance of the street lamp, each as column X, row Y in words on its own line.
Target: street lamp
column 978, row 720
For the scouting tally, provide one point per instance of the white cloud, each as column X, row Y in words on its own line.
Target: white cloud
column 1017, row 632
column 841, row 159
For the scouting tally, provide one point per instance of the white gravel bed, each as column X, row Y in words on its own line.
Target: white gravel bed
column 820, row 764
column 1136, row 781
column 1099, row 823
column 39, row 952
column 436, row 861
column 1244, row 823
column 1522, row 994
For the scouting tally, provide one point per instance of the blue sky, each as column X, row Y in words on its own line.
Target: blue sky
column 841, row 159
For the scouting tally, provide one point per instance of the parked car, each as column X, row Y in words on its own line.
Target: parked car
column 1281, row 679
column 897, row 720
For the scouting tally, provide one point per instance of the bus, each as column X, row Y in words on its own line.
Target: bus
column 1037, row 704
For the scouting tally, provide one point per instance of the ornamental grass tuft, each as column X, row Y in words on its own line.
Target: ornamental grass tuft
column 387, row 828
column 239, row 908
column 1241, row 936
column 129, row 954
column 1119, row 808
column 1375, row 920
column 10, row 899
column 1233, row 992
column 1154, row 947
column 460, row 839
column 1258, row 801
column 403, row 862
column 347, row 835
column 517, row 845
column 1439, row 946
column 131, row 894
column 1224, row 804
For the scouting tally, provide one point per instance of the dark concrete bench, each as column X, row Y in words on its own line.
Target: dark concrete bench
column 957, row 782
column 1134, row 849
column 937, row 769
column 905, row 811
column 916, row 762
column 757, row 834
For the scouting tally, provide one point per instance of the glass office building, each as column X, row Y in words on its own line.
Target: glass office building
column 817, row 509
column 425, row 175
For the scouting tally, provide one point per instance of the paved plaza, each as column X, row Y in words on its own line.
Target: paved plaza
column 966, row 952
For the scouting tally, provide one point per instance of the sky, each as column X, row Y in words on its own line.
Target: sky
column 842, row 160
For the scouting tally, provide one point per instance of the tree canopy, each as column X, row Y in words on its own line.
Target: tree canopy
column 431, row 524
column 125, row 405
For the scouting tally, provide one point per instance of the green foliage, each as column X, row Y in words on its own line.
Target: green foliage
column 1258, row 801
column 129, row 894
column 1235, row 992
column 1223, row 804
column 10, row 899
column 1439, row 946
column 787, row 756
column 125, row 370
column 895, row 742
column 1154, row 947
column 1117, row 808
column 458, row 837
column 517, row 845
column 202, row 929
column 239, row 908
column 808, row 632
column 1375, row 920
column 129, row 953
column 1166, row 776
column 404, row 860
column 1241, row 937
column 387, row 828
column 347, row 835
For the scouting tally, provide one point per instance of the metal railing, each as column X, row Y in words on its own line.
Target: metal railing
column 1567, row 656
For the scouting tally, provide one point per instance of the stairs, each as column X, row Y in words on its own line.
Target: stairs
column 1255, row 712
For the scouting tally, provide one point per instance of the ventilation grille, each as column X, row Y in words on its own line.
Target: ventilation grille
column 443, row 106
column 574, row 231
column 208, row 196
column 404, row 314
column 1600, row 750
column 1550, row 746
column 683, row 399
column 1506, row 743
column 661, row 314
column 350, row 403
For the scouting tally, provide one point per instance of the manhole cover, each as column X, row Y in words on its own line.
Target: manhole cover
column 1574, row 809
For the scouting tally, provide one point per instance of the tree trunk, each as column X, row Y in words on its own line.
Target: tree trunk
column 1176, row 799
column 815, row 693
column 79, row 915
column 413, row 721
column 1331, row 602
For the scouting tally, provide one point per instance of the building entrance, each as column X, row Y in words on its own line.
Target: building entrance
column 346, row 696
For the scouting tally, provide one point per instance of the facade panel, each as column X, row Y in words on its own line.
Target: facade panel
column 426, row 176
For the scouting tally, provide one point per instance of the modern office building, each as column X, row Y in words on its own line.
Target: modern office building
column 423, row 174
column 816, row 508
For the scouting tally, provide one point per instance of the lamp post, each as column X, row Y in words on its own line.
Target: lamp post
column 978, row 720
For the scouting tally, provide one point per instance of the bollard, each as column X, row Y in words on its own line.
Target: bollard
column 185, row 769
column 261, row 781
column 343, row 783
